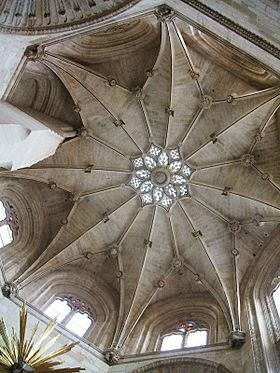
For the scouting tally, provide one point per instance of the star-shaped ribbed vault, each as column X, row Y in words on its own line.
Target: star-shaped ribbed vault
column 170, row 177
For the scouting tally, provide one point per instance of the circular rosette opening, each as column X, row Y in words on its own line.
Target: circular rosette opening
column 160, row 176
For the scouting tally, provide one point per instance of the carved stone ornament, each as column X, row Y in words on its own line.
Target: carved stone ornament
column 161, row 284
column 230, row 99
column 112, row 355
column 113, row 252
column 88, row 255
column 257, row 220
column 119, row 274
column 164, row 13
column 112, row 82
column 64, row 221
column 247, row 160
column 77, row 108
column 194, row 74
column 83, row 132
column 177, row 264
column 258, row 136
column 138, row 92
column 235, row 252
column 234, row 226
column 265, row 176
column 75, row 197
column 52, row 185
column 9, row 289
column 35, row 53
column 237, row 338
column 206, row 101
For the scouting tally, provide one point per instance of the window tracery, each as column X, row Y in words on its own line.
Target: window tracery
column 160, row 176
column 71, row 312
column 187, row 334
column 8, row 223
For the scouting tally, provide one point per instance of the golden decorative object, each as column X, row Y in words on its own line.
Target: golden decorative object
column 18, row 355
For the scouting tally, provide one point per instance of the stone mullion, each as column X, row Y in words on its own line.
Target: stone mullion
column 184, row 340
column 68, row 317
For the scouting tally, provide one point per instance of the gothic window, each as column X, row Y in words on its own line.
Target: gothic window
column 58, row 310
column 197, row 338
column 79, row 323
column 187, row 334
column 8, row 223
column 172, row 342
column 72, row 313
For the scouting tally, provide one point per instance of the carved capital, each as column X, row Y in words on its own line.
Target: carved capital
column 237, row 338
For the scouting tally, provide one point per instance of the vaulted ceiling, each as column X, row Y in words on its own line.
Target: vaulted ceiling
column 143, row 89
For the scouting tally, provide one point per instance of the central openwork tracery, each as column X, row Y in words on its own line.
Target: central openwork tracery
column 160, row 176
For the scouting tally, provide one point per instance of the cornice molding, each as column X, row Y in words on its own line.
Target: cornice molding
column 38, row 17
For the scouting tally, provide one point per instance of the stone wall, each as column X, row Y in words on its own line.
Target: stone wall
column 259, row 16
column 92, row 359
column 220, row 355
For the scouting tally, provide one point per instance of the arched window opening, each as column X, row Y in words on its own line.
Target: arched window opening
column 8, row 223
column 79, row 323
column 72, row 313
column 187, row 334
column 197, row 338
column 58, row 310
column 276, row 298
column 172, row 342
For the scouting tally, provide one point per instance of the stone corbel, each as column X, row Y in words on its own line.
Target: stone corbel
column 9, row 289
column 112, row 355
column 237, row 338
column 35, row 52
column 164, row 13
